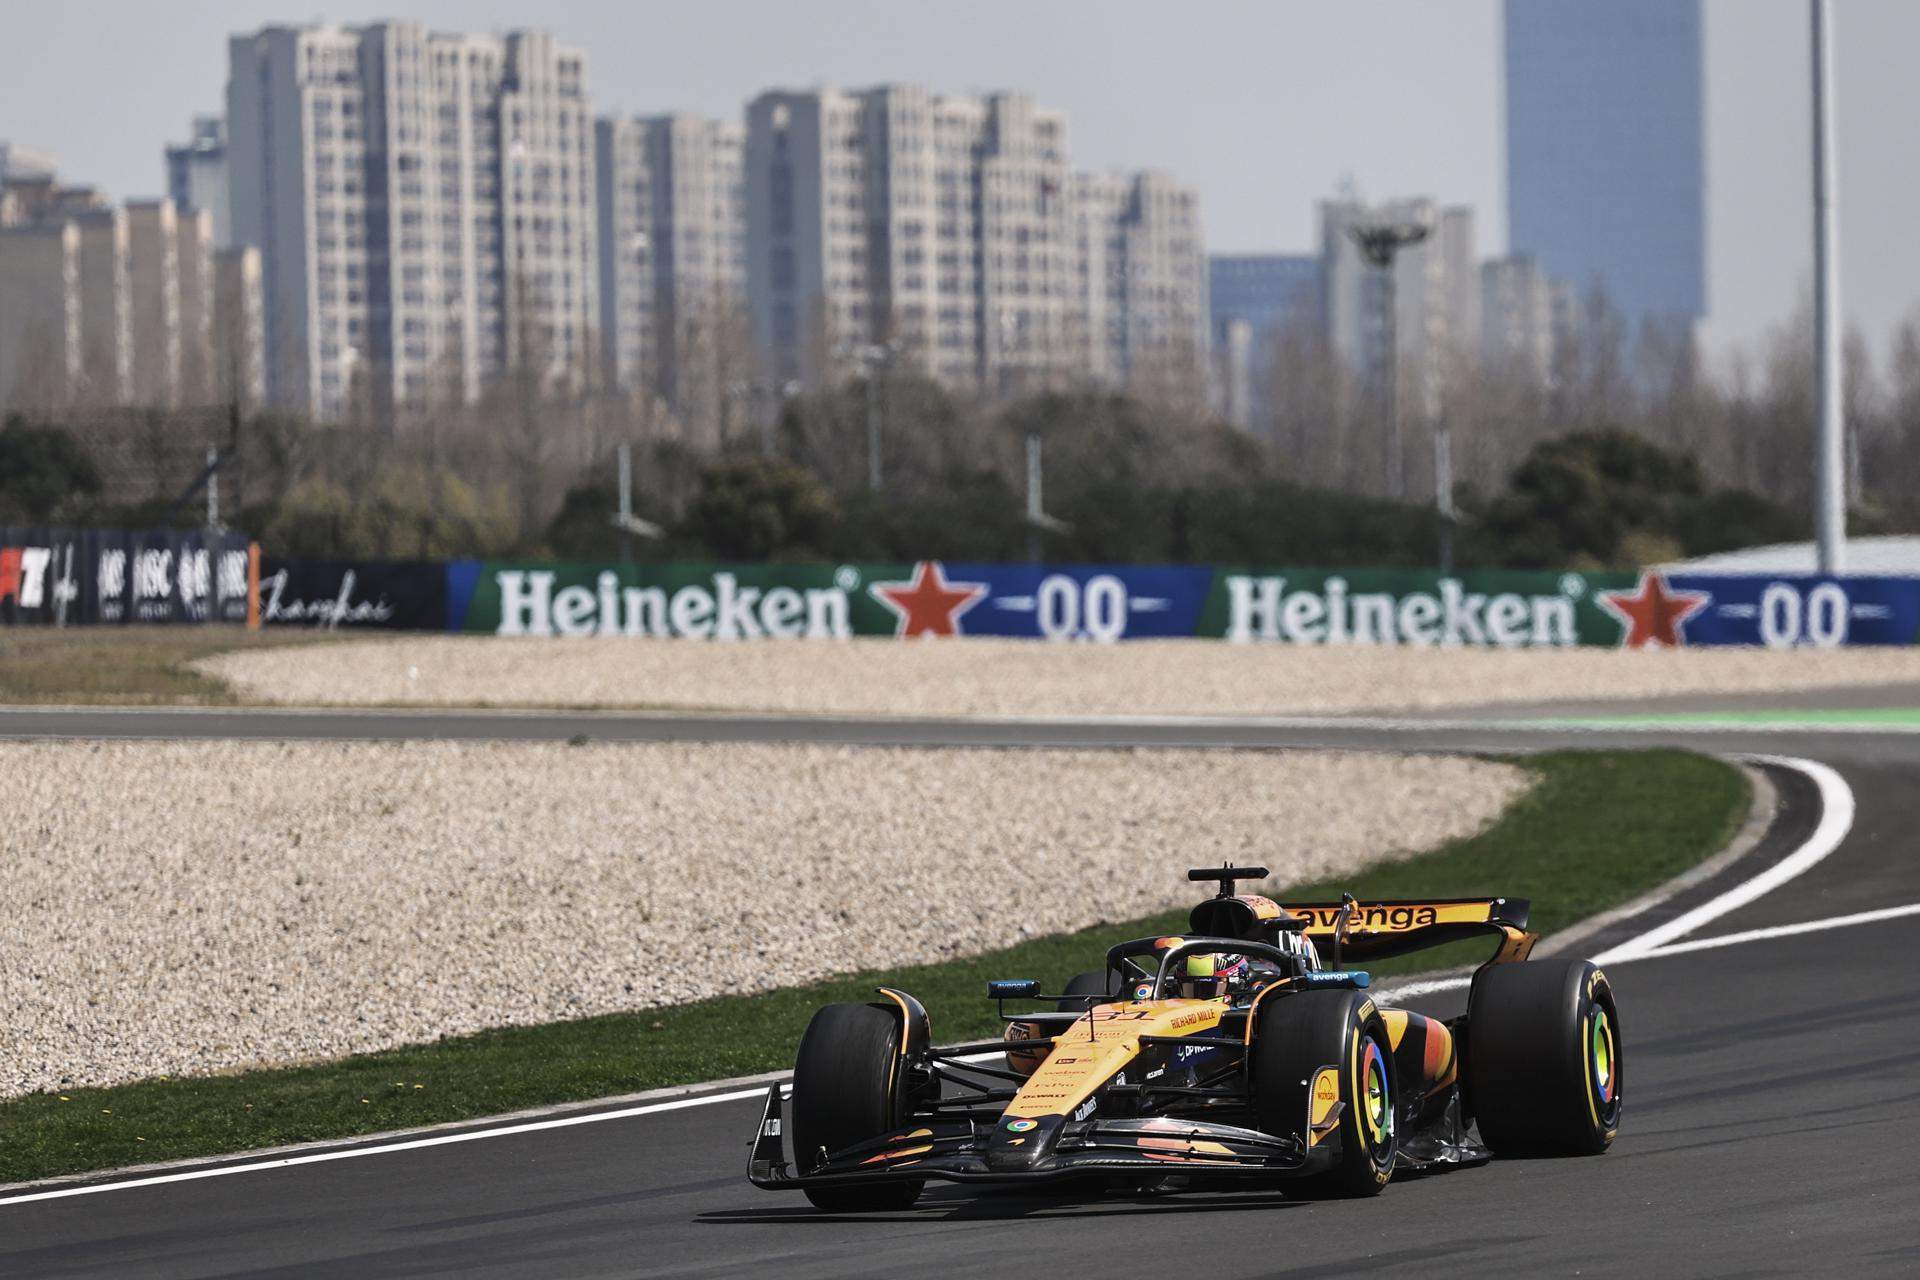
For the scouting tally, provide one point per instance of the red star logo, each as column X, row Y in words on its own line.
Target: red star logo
column 1653, row 613
column 929, row 605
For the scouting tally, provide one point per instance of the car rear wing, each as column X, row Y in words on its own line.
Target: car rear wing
column 1377, row 930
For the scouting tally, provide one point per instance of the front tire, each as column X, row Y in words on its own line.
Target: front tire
column 1297, row 1036
column 1543, row 1060
column 849, row 1086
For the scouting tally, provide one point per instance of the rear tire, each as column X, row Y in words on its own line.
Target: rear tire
column 1543, row 1059
column 1294, row 1037
column 849, row 1087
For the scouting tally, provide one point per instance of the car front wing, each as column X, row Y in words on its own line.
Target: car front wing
column 956, row 1151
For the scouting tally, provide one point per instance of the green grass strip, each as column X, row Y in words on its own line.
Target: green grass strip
column 1860, row 717
column 127, row 666
column 1597, row 829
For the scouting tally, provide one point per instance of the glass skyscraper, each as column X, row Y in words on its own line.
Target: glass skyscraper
column 1263, row 289
column 1606, row 149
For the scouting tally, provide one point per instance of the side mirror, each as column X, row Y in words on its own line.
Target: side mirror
column 1012, row 988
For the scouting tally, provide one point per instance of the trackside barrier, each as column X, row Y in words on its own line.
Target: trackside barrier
column 1097, row 603
column 87, row 577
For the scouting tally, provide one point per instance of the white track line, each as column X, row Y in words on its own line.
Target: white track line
column 439, row 1140
column 1596, row 724
column 1412, row 989
column 415, row 1144
column 1836, row 818
column 1784, row 931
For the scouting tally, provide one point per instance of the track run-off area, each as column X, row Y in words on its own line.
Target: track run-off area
column 1770, row 1014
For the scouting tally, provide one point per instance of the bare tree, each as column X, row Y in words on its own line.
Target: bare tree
column 1306, row 385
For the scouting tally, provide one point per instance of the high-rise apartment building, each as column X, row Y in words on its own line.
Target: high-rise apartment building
column 169, row 304
column 136, row 293
column 673, row 264
column 1143, row 284
column 40, row 338
column 106, row 330
column 193, row 256
column 628, row 215
column 1436, row 299
column 197, row 175
column 1517, row 317
column 153, row 298
column 239, row 343
column 1606, row 150
column 934, row 230
column 424, row 207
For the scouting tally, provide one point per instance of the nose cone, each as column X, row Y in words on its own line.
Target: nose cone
column 1020, row 1143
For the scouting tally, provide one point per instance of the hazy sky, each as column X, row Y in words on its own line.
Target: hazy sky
column 1264, row 106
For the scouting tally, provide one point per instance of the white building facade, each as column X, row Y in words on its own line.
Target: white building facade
column 424, row 208
column 937, row 231
column 153, row 296
column 106, row 330
column 40, row 337
column 1142, row 271
column 1517, row 317
column 120, row 297
column 193, row 258
column 239, row 342
column 673, row 264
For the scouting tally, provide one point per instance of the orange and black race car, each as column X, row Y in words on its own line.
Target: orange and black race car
column 1233, row 1052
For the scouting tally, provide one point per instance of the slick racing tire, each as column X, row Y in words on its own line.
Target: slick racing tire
column 1295, row 1036
column 848, row 1087
column 1085, row 990
column 1543, row 1062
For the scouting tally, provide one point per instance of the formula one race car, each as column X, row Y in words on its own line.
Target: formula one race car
column 1229, row 1054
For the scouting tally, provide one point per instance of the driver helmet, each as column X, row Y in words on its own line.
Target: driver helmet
column 1208, row 976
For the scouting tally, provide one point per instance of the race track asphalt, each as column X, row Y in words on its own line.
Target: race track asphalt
column 1772, row 1120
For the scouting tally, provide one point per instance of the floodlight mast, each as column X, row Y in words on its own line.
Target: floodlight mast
column 1379, row 241
column 1829, row 461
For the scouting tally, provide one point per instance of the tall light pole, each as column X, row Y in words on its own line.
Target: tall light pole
column 875, row 359
column 1038, row 521
column 1379, row 240
column 624, row 520
column 873, row 428
column 1829, row 458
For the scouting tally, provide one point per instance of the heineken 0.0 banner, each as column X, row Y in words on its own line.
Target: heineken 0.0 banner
column 1490, row 608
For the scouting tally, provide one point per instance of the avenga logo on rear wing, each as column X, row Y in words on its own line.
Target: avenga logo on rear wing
column 1324, row 917
column 1376, row 930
